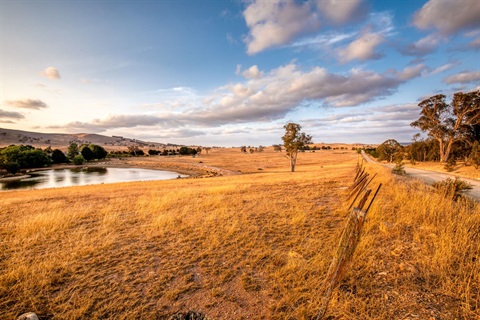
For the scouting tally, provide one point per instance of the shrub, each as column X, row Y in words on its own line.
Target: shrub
column 450, row 164
column 58, row 156
column 98, row 152
column 399, row 169
column 452, row 188
column 87, row 153
column 78, row 160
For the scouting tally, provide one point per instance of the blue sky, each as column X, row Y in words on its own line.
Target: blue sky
column 231, row 73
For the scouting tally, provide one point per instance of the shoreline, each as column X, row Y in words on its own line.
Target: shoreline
column 192, row 170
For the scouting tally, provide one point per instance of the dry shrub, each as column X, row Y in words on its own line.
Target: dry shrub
column 452, row 188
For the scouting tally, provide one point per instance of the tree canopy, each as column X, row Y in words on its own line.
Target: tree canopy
column 447, row 123
column 293, row 141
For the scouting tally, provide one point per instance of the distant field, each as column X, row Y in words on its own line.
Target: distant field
column 255, row 245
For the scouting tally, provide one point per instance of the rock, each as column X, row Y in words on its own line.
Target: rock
column 28, row 316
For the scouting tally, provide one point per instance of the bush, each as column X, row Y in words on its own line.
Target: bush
column 78, row 160
column 58, row 156
column 98, row 152
column 452, row 188
column 399, row 169
column 450, row 164
column 87, row 153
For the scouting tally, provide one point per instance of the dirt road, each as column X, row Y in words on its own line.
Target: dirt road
column 432, row 176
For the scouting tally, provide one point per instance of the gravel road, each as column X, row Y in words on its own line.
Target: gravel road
column 432, row 176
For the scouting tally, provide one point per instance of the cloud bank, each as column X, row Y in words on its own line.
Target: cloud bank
column 268, row 96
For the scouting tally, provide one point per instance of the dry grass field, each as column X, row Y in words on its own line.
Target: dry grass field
column 255, row 245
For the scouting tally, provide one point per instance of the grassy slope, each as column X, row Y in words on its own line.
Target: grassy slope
column 246, row 246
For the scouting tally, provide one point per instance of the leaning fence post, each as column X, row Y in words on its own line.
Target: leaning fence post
column 350, row 237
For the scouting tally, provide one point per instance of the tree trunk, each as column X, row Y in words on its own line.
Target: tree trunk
column 293, row 161
column 449, row 148
column 441, row 152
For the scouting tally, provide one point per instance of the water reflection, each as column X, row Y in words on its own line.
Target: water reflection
column 84, row 176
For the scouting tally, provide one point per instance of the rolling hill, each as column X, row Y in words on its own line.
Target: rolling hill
column 39, row 139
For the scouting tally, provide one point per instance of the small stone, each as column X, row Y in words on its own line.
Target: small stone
column 28, row 316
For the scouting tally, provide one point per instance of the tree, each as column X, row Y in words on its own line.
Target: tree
column 277, row 148
column 87, row 153
column 72, row 150
column 98, row 152
column 452, row 122
column 14, row 158
column 388, row 149
column 78, row 160
column 134, row 150
column 58, row 156
column 294, row 140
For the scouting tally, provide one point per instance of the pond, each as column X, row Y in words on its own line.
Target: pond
column 54, row 178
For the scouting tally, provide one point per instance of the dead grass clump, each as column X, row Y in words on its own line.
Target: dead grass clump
column 452, row 188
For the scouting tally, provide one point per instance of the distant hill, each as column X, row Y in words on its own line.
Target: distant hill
column 59, row 140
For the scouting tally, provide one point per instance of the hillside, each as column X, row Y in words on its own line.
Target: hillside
column 58, row 140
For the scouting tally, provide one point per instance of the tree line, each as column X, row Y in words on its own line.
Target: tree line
column 17, row 157
column 453, row 133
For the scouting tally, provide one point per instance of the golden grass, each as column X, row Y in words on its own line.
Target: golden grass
column 235, row 247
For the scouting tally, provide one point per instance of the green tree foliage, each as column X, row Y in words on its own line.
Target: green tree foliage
column 447, row 123
column 293, row 141
column 72, row 150
column 153, row 152
column 98, row 152
column 14, row 158
column 388, row 149
column 87, row 153
column 58, row 156
column 187, row 151
column 78, row 160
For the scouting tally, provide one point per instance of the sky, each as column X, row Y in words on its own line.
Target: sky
column 231, row 73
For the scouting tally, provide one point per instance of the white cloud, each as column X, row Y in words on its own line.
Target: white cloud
column 443, row 68
column 276, row 22
column 362, row 48
column 51, row 73
column 463, row 77
column 423, row 46
column 252, row 73
column 411, row 72
column 27, row 104
column 448, row 16
column 341, row 11
column 270, row 97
